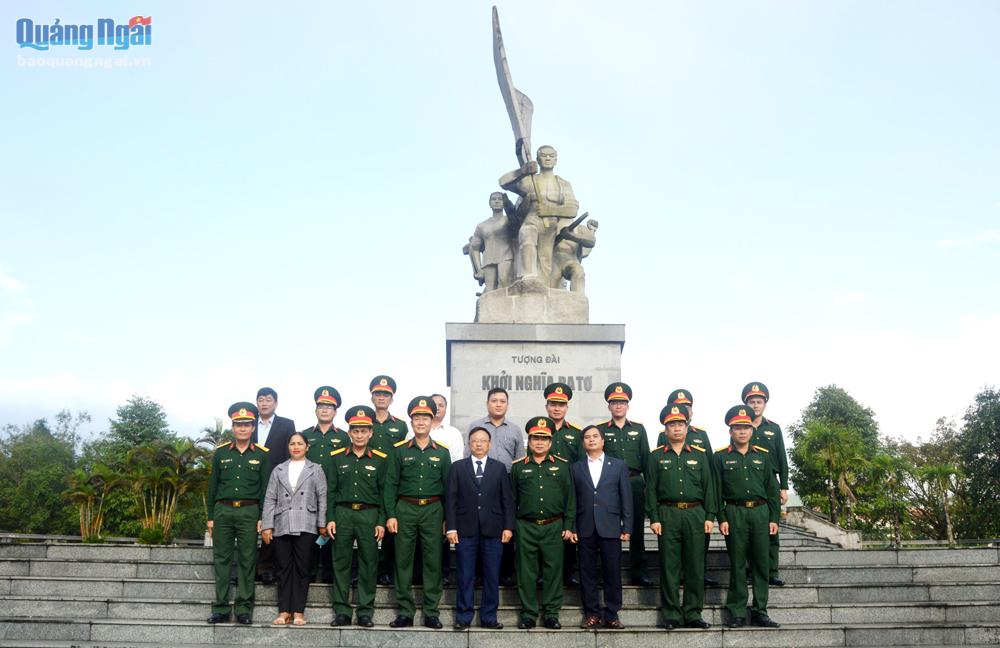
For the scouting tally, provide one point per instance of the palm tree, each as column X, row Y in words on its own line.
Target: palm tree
column 213, row 436
column 89, row 491
column 894, row 471
column 941, row 477
column 835, row 450
column 161, row 474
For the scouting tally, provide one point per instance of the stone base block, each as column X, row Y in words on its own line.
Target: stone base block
column 527, row 301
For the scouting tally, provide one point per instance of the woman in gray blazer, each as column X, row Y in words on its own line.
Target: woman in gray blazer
column 294, row 514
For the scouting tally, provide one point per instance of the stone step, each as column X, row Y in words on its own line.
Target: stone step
column 638, row 615
column 57, row 589
column 16, row 632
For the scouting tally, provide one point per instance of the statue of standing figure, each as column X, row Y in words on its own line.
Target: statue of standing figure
column 491, row 246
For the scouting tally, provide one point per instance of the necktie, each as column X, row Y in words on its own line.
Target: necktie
column 479, row 472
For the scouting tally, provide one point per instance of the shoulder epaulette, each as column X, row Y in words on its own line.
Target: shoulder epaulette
column 757, row 447
column 399, row 443
column 377, row 453
column 523, row 459
column 223, row 444
column 262, row 447
column 696, row 428
column 722, row 450
column 694, row 447
column 573, row 425
column 338, row 451
column 560, row 458
column 441, row 444
column 659, row 447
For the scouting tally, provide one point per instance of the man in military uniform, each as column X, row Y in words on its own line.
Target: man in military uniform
column 323, row 438
column 627, row 440
column 236, row 488
column 418, row 475
column 356, row 482
column 545, row 506
column 748, row 514
column 696, row 437
column 681, row 503
column 767, row 433
column 387, row 431
column 566, row 441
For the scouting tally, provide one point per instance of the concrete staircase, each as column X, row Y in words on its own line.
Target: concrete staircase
column 60, row 594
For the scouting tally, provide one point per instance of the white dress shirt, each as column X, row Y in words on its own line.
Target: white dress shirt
column 295, row 471
column 474, row 466
column 263, row 430
column 595, row 466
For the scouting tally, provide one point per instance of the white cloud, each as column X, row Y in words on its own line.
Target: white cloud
column 984, row 237
column 10, row 285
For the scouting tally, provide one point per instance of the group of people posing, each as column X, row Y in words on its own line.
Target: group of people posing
column 402, row 499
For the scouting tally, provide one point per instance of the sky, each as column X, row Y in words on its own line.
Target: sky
column 799, row 193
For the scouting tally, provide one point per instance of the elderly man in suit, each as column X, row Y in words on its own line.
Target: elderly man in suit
column 603, row 521
column 479, row 519
column 272, row 432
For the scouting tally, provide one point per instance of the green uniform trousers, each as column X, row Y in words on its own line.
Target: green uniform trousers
column 774, row 553
column 424, row 522
column 234, row 531
column 637, row 545
column 682, row 556
column 748, row 538
column 539, row 542
column 355, row 526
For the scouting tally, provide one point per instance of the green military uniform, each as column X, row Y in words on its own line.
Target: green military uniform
column 749, row 502
column 414, row 489
column 630, row 444
column 680, row 496
column 236, row 488
column 566, row 441
column 545, row 506
column 385, row 435
column 354, row 498
column 322, row 445
column 768, row 435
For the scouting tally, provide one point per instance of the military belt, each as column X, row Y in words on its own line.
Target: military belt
column 680, row 505
column 420, row 501
column 356, row 506
column 747, row 503
column 543, row 521
column 238, row 503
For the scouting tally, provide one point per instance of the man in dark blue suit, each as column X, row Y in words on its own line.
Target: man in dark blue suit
column 272, row 432
column 603, row 521
column 479, row 518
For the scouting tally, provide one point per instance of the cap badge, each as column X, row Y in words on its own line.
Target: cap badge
column 755, row 388
column 383, row 382
column 675, row 410
column 243, row 411
column 681, row 395
column 326, row 392
column 542, row 423
column 743, row 412
column 423, row 403
column 618, row 389
column 559, row 390
column 360, row 413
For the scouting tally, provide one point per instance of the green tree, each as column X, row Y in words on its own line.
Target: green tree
column 835, row 452
column 888, row 505
column 979, row 453
column 941, row 480
column 89, row 491
column 161, row 474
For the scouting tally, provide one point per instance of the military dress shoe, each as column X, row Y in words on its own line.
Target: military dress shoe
column 401, row 622
column 763, row 621
column 774, row 581
column 491, row 625
column 525, row 624
column 268, row 578
column 433, row 623
column 445, row 581
column 219, row 617
column 244, row 619
column 572, row 581
column 461, row 625
column 385, row 579
column 591, row 623
column 341, row 620
column 643, row 581
column 737, row 622
column 671, row 624
column 699, row 624
column 506, row 581
column 552, row 623
column 614, row 624
column 365, row 622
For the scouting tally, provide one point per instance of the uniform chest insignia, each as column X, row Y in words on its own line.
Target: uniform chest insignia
column 568, row 437
column 768, row 432
column 758, row 461
column 633, row 433
column 730, row 463
column 609, row 434
column 225, row 461
column 434, row 458
column 692, row 462
column 664, row 461
column 528, row 470
column 394, row 429
column 408, row 459
column 370, row 468
column 254, row 462
column 554, row 469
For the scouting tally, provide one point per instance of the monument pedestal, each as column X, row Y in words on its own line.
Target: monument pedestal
column 524, row 359
column 529, row 300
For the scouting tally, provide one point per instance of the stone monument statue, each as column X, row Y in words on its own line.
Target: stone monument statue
column 550, row 247
column 491, row 246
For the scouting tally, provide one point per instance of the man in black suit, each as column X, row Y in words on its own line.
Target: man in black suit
column 272, row 432
column 603, row 521
column 479, row 518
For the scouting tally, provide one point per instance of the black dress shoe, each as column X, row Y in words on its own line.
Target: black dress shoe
column 244, row 619
column 552, row 623
column 267, row 578
column 218, row 617
column 774, row 581
column 737, row 622
column 491, row 625
column 385, row 579
column 365, row 622
column 525, row 624
column 572, row 581
column 643, row 581
column 401, row 622
column 433, row 623
column 763, row 621
column 671, row 624
column 354, row 582
column 460, row 625
column 711, row 582
column 341, row 620
column 507, row 581
column 445, row 581
column 700, row 624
